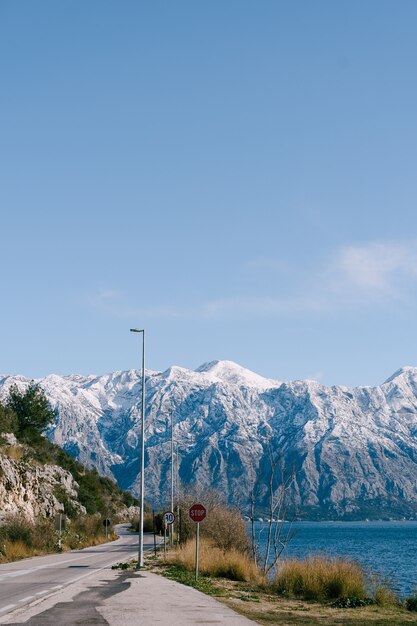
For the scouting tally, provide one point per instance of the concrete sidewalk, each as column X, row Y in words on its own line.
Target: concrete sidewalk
column 152, row 599
column 112, row 598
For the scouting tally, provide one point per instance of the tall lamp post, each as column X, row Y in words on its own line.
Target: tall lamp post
column 142, row 452
column 171, row 528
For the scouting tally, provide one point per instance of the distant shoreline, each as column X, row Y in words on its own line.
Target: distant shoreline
column 336, row 520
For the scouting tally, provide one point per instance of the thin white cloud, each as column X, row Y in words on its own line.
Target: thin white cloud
column 353, row 276
column 374, row 271
column 111, row 302
column 317, row 376
column 107, row 295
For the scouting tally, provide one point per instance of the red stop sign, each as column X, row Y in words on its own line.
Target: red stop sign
column 197, row 512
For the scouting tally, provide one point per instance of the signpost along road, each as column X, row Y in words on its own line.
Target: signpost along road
column 169, row 517
column 197, row 513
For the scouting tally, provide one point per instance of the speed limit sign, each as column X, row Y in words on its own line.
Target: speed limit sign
column 169, row 517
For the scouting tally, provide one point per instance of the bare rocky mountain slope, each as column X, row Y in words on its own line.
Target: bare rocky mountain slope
column 354, row 449
column 32, row 489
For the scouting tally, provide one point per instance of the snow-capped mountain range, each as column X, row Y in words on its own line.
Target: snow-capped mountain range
column 354, row 450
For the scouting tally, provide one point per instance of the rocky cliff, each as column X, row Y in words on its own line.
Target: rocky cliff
column 31, row 489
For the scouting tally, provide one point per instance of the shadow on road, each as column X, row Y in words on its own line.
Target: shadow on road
column 83, row 608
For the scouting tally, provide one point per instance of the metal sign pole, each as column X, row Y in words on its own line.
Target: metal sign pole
column 197, row 533
column 165, row 540
column 154, row 530
column 171, row 526
column 197, row 513
column 142, row 453
column 178, row 525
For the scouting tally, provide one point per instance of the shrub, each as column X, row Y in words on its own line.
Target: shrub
column 148, row 524
column 69, row 505
column 16, row 550
column 14, row 452
column 384, row 594
column 320, row 578
column 86, row 530
column 214, row 561
column 411, row 603
column 224, row 527
column 90, row 492
column 129, row 500
column 20, row 536
column 44, row 535
column 17, row 529
column 8, row 420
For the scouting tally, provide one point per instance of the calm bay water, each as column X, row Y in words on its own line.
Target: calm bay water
column 386, row 548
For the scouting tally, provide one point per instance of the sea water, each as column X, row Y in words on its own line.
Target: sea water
column 388, row 549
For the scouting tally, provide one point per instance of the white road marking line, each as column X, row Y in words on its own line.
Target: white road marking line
column 61, row 562
column 8, row 607
column 23, row 572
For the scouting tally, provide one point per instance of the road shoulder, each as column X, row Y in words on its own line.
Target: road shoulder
column 116, row 598
column 159, row 599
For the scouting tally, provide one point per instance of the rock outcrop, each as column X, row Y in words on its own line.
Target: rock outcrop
column 30, row 489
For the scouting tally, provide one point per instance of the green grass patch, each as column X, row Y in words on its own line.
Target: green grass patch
column 203, row 583
column 125, row 565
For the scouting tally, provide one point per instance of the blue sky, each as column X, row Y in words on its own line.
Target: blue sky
column 237, row 177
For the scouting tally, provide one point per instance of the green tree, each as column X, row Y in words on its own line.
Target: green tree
column 8, row 420
column 32, row 409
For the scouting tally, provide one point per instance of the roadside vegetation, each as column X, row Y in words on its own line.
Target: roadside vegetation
column 299, row 591
column 26, row 415
column 21, row 539
column 320, row 579
column 214, row 561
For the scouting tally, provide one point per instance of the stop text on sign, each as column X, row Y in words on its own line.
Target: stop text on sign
column 197, row 512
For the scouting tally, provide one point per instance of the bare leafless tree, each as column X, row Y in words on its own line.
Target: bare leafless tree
column 254, row 494
column 269, row 499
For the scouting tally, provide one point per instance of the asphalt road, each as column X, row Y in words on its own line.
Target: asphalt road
column 24, row 582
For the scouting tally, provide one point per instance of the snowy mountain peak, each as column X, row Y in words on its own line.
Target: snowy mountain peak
column 234, row 374
column 175, row 372
column 354, row 450
column 406, row 370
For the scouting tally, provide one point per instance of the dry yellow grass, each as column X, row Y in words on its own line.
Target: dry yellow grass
column 215, row 562
column 15, row 453
column 16, row 550
column 257, row 603
column 382, row 593
column 320, row 578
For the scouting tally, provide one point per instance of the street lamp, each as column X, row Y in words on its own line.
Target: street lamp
column 142, row 452
column 171, row 528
